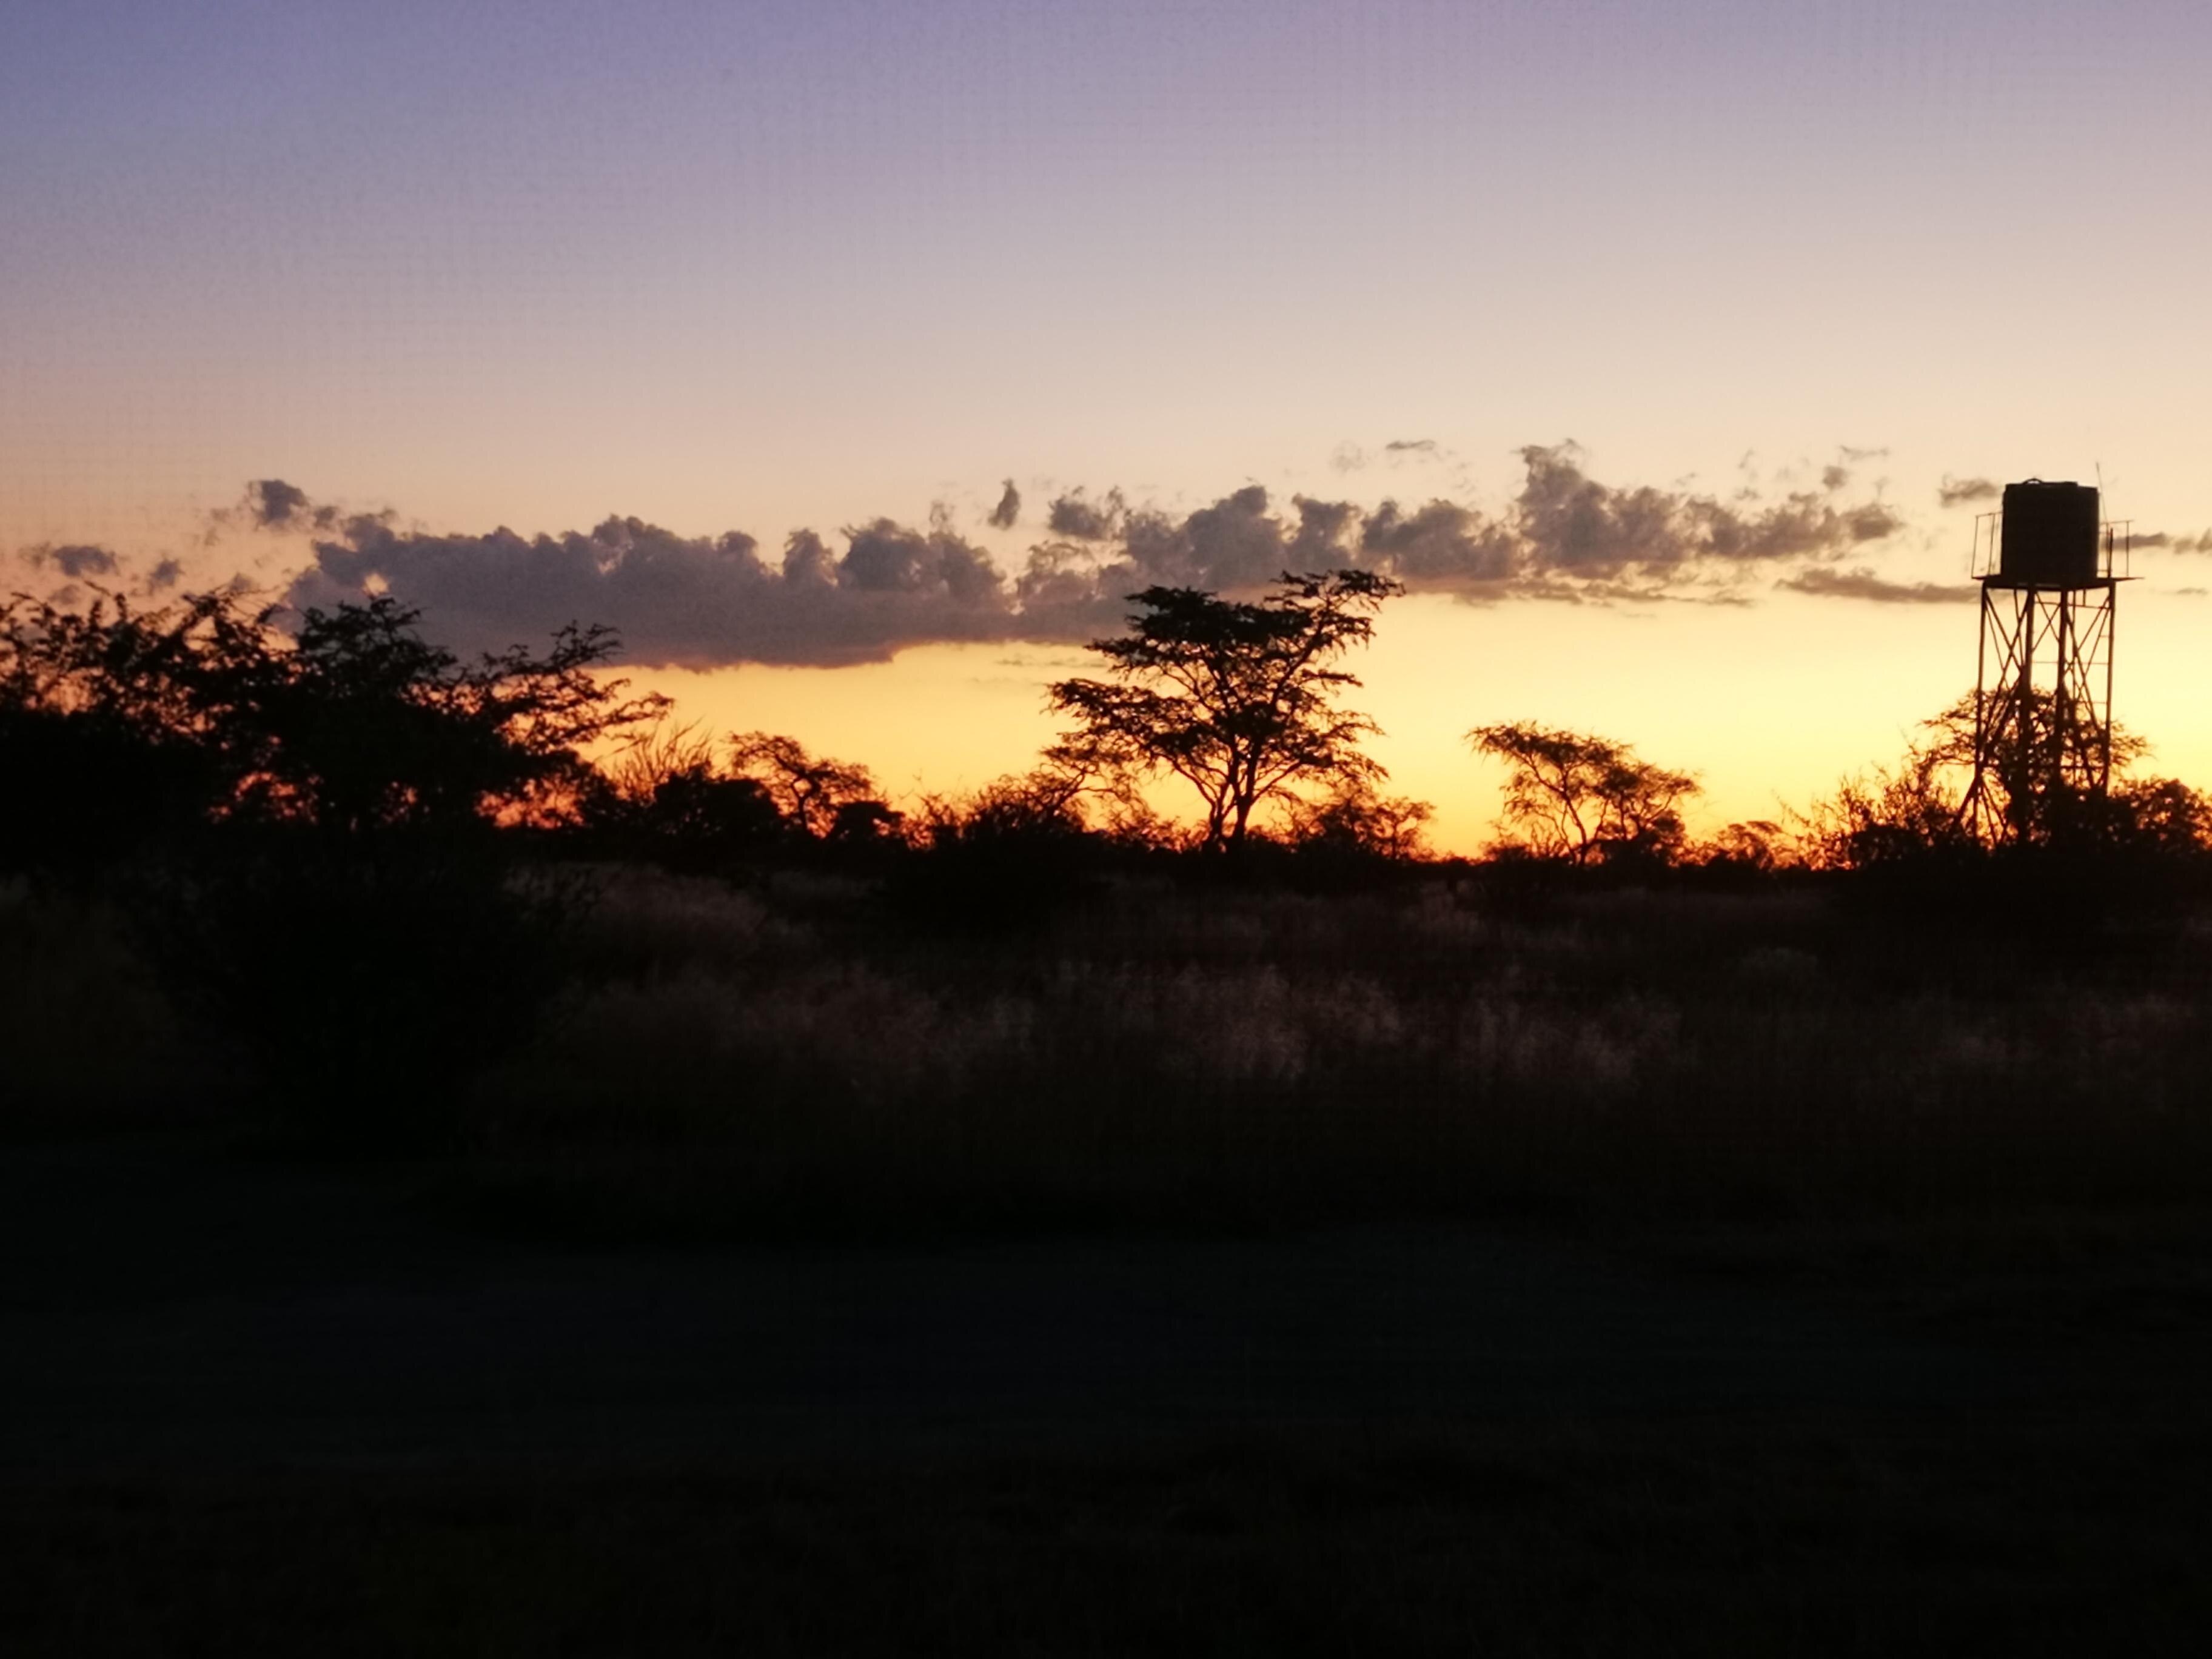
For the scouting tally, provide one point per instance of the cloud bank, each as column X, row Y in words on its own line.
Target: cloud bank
column 707, row 601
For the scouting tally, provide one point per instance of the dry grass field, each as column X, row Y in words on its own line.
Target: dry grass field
column 1777, row 1268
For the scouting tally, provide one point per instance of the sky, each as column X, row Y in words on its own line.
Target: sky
column 1661, row 327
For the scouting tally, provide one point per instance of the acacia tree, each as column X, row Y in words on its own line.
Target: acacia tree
column 1572, row 796
column 363, row 724
column 1354, row 817
column 204, row 712
column 1235, row 698
column 820, row 797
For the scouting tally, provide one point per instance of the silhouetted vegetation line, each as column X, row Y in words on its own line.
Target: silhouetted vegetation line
column 315, row 836
column 506, row 909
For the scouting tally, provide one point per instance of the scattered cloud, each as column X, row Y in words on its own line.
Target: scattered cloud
column 75, row 561
column 2162, row 541
column 1072, row 514
column 272, row 504
column 1009, row 509
column 1862, row 583
column 704, row 601
column 276, row 504
column 74, row 573
column 1404, row 446
column 1958, row 492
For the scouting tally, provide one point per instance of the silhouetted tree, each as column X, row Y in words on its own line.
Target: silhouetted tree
column 2033, row 802
column 818, row 797
column 353, row 724
column 1354, row 818
column 1237, row 698
column 1916, row 809
column 669, row 801
column 1757, row 844
column 365, row 725
column 1007, row 856
column 2164, row 815
column 331, row 886
column 113, row 724
column 1584, row 798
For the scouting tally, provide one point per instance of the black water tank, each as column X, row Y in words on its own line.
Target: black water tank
column 2050, row 534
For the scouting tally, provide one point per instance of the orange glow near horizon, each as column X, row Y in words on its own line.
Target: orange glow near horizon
column 1769, row 705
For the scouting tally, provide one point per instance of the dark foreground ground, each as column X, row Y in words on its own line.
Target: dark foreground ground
column 247, row 1407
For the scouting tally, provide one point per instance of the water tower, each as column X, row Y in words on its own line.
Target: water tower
column 2050, row 569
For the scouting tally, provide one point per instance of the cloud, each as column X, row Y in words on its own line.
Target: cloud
column 165, row 575
column 1958, row 492
column 1071, row 514
column 1009, row 509
column 1441, row 544
column 272, row 504
column 1402, row 445
column 1570, row 523
column 1862, row 583
column 75, row 561
column 276, row 504
column 692, row 602
column 2140, row 540
column 701, row 601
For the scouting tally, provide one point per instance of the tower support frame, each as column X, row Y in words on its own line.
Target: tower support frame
column 2043, row 696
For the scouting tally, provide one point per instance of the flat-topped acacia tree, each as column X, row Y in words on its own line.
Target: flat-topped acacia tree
column 1582, row 798
column 1237, row 697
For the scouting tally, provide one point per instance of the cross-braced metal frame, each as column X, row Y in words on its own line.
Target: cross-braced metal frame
column 2043, row 705
column 2043, row 690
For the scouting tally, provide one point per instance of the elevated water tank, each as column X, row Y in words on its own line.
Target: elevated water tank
column 2050, row 535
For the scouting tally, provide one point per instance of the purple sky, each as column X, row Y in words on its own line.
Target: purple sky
column 773, row 265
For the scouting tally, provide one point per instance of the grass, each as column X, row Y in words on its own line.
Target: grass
column 807, row 1056
column 88, row 1040
column 766, row 1061
column 1927, row 1126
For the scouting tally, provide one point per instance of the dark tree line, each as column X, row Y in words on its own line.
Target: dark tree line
column 311, row 833
column 355, row 852
column 133, row 735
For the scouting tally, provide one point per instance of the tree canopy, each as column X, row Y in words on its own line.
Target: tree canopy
column 1584, row 798
column 1235, row 698
column 206, row 712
